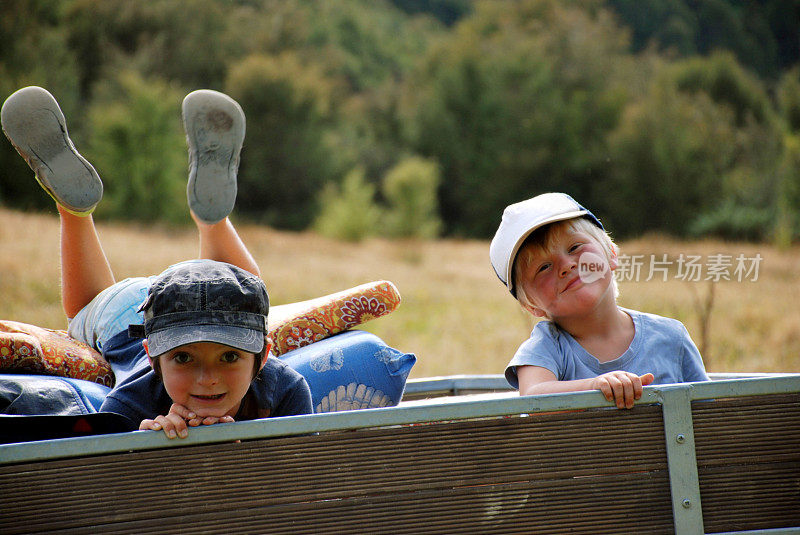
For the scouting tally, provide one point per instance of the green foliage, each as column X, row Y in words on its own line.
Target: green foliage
column 734, row 222
column 348, row 211
column 727, row 83
column 508, row 98
column 189, row 41
column 697, row 154
column 363, row 49
column 139, row 149
column 360, row 43
column 763, row 35
column 286, row 157
column 446, row 11
column 410, row 190
column 34, row 51
column 787, row 223
column 518, row 102
column 366, row 43
column 789, row 98
column 668, row 158
column 669, row 23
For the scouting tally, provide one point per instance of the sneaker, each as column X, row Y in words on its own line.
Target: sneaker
column 214, row 125
column 34, row 124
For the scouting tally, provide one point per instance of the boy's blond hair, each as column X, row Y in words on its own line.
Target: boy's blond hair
column 541, row 240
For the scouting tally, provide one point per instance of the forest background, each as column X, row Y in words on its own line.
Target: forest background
column 414, row 120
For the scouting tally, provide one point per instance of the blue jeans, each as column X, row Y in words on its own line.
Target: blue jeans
column 112, row 310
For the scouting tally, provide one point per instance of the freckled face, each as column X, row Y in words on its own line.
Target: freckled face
column 208, row 378
column 552, row 281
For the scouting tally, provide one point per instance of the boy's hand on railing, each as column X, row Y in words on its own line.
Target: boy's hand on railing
column 172, row 424
column 622, row 387
column 193, row 420
column 175, row 423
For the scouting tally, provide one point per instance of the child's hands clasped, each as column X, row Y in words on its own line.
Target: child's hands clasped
column 177, row 422
column 622, row 387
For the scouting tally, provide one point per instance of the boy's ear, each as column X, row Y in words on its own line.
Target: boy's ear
column 267, row 349
column 147, row 350
column 538, row 312
column 613, row 261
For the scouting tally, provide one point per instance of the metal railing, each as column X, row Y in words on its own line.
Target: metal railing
column 676, row 402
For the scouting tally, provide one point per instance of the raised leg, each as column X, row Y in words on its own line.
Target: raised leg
column 33, row 122
column 220, row 241
column 35, row 125
column 215, row 127
column 85, row 270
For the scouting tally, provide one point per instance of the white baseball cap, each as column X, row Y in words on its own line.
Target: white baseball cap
column 521, row 219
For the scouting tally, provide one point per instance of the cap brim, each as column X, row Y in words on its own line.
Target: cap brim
column 522, row 237
column 249, row 340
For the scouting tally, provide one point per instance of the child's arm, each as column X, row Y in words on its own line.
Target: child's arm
column 618, row 386
column 175, row 422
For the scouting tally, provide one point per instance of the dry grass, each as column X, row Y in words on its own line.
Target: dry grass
column 455, row 315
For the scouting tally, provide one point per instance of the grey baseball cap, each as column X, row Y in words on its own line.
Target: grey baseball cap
column 205, row 301
column 520, row 220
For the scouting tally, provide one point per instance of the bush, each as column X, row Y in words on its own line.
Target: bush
column 348, row 212
column 139, row 149
column 410, row 190
column 732, row 221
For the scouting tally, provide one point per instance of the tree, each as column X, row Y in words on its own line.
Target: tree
column 190, row 42
column 788, row 94
column 750, row 195
column 698, row 153
column 360, row 43
column 139, row 149
column 410, row 190
column 518, row 102
column 286, row 159
column 34, row 51
column 763, row 35
column 787, row 218
column 723, row 79
column 447, row 11
column 348, row 212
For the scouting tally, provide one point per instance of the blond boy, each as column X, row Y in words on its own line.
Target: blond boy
column 556, row 259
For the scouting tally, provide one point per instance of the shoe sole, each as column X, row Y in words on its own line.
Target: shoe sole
column 215, row 127
column 33, row 122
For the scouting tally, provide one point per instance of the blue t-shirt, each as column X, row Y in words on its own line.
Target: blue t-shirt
column 660, row 346
column 139, row 394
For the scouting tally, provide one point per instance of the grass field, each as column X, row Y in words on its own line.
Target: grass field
column 455, row 316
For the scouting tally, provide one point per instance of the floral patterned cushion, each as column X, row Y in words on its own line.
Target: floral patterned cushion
column 29, row 349
column 299, row 324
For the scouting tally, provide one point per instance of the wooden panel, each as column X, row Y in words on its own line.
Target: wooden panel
column 748, row 457
column 579, row 471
